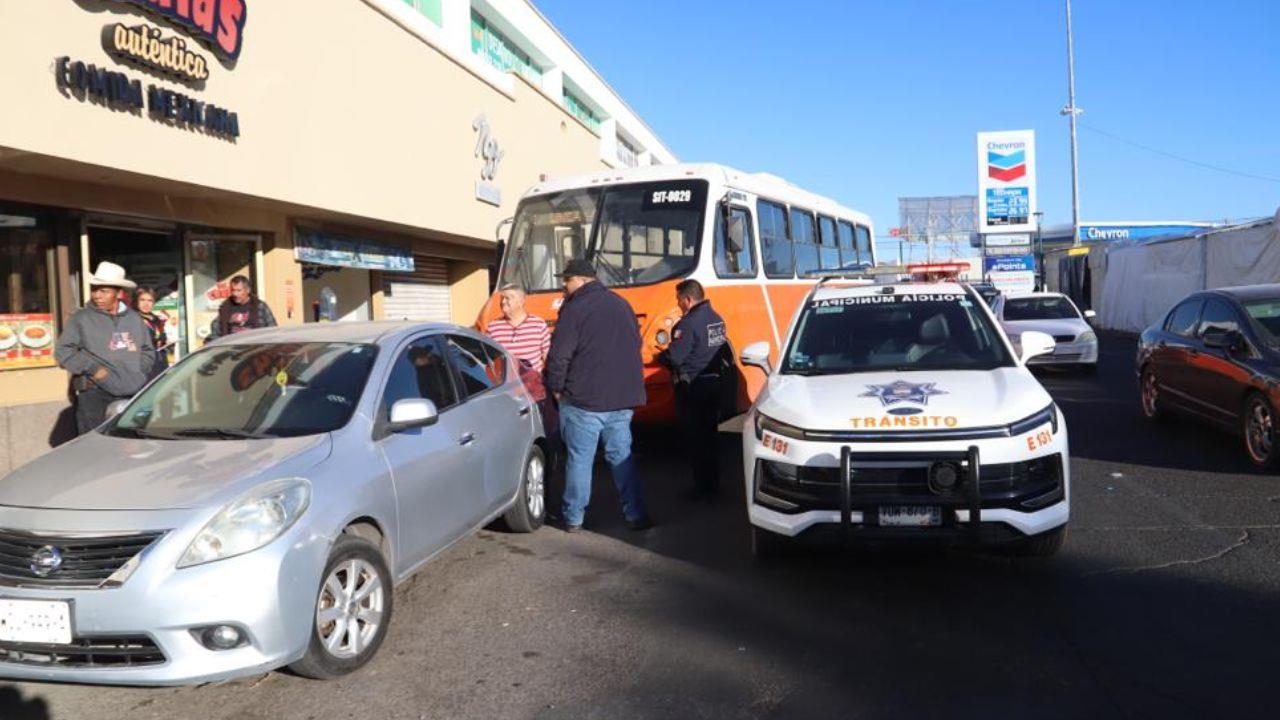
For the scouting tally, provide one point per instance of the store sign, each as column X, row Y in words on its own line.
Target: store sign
column 1006, row 181
column 313, row 246
column 487, row 150
column 147, row 47
column 117, row 90
column 217, row 23
column 26, row 341
column 1113, row 233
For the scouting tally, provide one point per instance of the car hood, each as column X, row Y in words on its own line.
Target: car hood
column 1071, row 327
column 894, row 401
column 100, row 472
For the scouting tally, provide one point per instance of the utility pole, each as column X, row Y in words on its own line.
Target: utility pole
column 1072, row 111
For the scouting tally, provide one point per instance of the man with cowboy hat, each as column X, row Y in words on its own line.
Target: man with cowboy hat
column 106, row 347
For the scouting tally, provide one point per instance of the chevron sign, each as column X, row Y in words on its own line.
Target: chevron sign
column 1006, row 167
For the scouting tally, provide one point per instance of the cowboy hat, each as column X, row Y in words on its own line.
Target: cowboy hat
column 110, row 275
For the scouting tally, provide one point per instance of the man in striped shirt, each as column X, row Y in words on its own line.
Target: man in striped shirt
column 525, row 336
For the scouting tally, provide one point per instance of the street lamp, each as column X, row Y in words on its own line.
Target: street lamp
column 1072, row 111
column 1039, row 248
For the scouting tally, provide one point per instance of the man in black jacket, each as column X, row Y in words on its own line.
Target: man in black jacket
column 242, row 311
column 595, row 372
column 699, row 357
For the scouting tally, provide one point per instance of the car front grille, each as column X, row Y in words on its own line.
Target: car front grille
column 1064, row 338
column 81, row 560
column 129, row 651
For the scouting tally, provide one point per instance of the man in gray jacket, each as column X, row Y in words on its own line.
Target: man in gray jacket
column 106, row 347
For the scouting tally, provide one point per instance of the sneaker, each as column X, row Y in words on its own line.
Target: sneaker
column 571, row 528
column 641, row 523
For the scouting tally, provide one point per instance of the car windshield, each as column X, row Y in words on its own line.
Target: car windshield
column 1049, row 307
column 906, row 331
column 633, row 234
column 252, row 391
column 1265, row 315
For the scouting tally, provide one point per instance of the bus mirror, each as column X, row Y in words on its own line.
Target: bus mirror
column 737, row 233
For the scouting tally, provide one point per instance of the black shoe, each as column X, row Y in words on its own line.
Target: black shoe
column 570, row 528
column 644, row 522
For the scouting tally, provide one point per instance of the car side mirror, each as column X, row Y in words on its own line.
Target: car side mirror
column 757, row 354
column 1090, row 315
column 412, row 413
column 1228, row 340
column 117, row 407
column 737, row 233
column 1035, row 343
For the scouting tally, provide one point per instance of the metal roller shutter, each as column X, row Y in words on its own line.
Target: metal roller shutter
column 421, row 295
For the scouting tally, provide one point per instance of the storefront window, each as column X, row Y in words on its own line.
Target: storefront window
column 26, row 302
column 500, row 51
column 213, row 262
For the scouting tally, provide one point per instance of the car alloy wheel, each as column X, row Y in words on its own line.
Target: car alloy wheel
column 349, row 610
column 1259, row 432
column 1150, row 395
column 535, row 487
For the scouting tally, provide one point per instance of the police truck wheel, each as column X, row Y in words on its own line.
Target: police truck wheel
column 766, row 545
column 1046, row 544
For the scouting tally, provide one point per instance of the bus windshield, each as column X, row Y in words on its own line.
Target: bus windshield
column 633, row 234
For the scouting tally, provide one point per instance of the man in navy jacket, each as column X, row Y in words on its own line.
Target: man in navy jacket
column 595, row 372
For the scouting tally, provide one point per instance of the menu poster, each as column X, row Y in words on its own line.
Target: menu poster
column 26, row 341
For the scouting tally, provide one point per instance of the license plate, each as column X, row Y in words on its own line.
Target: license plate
column 911, row 516
column 35, row 621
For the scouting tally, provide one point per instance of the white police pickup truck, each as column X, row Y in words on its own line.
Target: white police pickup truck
column 901, row 411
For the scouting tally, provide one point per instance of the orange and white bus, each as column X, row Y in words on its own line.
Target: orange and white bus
column 754, row 241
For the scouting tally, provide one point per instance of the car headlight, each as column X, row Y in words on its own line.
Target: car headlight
column 257, row 518
column 764, row 422
column 1047, row 415
column 1087, row 336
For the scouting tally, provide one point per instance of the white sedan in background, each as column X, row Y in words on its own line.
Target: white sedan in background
column 1053, row 314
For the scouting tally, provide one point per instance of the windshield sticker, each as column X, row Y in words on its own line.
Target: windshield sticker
column 900, row 391
column 282, row 379
column 966, row 303
column 885, row 299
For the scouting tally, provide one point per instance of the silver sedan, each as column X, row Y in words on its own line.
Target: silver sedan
column 255, row 505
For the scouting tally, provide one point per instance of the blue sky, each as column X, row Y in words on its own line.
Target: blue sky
column 870, row 100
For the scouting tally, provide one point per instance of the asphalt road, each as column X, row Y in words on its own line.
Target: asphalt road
column 1162, row 604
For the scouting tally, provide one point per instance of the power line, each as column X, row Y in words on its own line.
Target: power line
column 1179, row 158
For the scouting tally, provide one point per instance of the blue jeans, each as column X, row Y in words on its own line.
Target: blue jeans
column 582, row 431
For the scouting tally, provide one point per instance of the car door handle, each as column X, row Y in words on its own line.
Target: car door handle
column 524, row 411
column 467, row 439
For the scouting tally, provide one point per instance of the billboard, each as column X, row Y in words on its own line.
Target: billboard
column 1010, row 273
column 1006, row 181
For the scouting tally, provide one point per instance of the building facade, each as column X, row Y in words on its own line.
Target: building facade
column 354, row 158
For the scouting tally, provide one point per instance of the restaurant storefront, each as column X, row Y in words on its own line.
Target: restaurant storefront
column 348, row 168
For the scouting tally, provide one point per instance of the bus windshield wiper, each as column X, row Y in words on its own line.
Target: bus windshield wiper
column 227, row 433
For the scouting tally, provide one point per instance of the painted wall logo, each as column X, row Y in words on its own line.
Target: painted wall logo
column 219, row 23
column 1006, row 165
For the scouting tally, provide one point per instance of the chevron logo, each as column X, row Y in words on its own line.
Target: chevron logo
column 1006, row 167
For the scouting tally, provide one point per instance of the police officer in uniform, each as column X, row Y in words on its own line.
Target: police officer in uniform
column 700, row 359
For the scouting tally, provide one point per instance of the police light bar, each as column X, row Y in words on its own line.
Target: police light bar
column 937, row 271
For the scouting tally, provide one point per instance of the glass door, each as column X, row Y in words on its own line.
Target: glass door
column 212, row 260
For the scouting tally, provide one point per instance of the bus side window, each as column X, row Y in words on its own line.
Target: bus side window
column 805, row 236
column 733, row 262
column 775, row 243
column 848, row 253
column 830, row 251
column 864, row 245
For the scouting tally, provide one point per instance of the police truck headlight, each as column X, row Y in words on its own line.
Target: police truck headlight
column 1047, row 415
column 766, row 423
column 258, row 517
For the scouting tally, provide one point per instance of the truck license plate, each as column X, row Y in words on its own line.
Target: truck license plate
column 35, row 621
column 910, row 516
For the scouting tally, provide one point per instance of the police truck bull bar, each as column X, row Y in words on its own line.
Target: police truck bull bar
column 946, row 495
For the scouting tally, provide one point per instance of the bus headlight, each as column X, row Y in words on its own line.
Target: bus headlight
column 662, row 337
